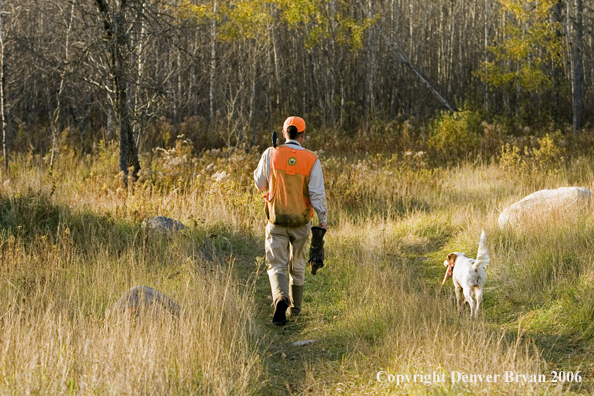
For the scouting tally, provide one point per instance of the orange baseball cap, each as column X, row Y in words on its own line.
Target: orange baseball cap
column 297, row 122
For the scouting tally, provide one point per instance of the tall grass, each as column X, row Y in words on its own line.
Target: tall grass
column 72, row 244
column 63, row 266
column 395, row 317
column 402, row 322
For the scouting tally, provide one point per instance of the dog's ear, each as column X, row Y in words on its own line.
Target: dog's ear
column 452, row 258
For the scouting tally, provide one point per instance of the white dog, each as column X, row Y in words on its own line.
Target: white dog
column 469, row 276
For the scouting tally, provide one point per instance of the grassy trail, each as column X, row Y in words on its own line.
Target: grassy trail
column 285, row 364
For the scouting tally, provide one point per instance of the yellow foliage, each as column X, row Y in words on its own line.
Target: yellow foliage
column 248, row 19
column 530, row 43
column 188, row 10
column 544, row 159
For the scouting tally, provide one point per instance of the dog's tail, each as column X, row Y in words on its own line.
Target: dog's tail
column 482, row 257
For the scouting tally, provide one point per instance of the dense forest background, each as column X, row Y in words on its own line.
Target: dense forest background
column 227, row 72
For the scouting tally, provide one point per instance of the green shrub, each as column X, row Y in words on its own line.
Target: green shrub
column 453, row 136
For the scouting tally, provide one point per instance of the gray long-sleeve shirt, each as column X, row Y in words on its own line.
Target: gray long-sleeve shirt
column 317, row 193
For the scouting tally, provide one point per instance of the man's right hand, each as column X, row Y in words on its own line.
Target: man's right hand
column 324, row 226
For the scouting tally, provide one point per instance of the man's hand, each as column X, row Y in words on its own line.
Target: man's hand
column 324, row 226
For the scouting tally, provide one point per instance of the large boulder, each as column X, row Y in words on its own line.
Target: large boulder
column 162, row 224
column 551, row 206
column 143, row 299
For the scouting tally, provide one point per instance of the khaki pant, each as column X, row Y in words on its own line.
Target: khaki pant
column 285, row 255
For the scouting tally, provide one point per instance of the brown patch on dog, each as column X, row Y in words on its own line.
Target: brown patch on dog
column 452, row 258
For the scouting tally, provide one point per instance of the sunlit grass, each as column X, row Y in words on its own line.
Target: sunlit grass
column 72, row 243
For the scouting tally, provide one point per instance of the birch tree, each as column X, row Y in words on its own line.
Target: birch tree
column 2, row 87
column 575, row 29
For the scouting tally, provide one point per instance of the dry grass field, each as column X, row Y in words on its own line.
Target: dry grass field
column 72, row 243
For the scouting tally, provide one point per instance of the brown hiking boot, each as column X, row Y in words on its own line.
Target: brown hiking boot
column 280, row 311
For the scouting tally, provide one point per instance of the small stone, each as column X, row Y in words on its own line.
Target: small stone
column 162, row 224
column 304, row 342
column 140, row 299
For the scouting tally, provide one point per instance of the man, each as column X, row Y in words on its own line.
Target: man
column 295, row 183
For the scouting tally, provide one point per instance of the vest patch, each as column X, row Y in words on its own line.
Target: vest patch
column 292, row 161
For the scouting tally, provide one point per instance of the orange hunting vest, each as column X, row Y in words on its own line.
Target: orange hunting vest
column 287, row 200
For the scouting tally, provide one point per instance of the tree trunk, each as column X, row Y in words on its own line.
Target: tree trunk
column 577, row 66
column 253, row 108
column 140, row 60
column 56, row 116
column 277, row 73
column 557, row 19
column 370, row 63
column 213, row 64
column 116, row 30
column 2, row 87
column 486, row 44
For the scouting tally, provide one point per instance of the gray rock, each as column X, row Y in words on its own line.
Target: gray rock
column 304, row 342
column 143, row 299
column 550, row 206
column 162, row 224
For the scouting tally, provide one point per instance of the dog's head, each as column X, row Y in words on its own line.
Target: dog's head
column 451, row 259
